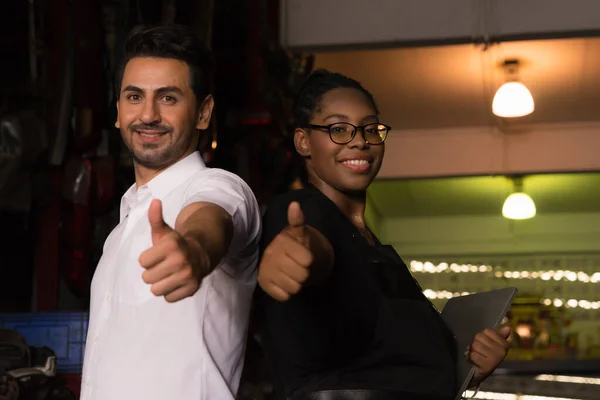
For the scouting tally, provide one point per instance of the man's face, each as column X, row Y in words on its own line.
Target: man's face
column 158, row 113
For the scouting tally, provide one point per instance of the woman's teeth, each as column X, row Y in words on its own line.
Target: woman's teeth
column 356, row 162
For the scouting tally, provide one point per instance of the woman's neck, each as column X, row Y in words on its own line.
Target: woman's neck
column 352, row 205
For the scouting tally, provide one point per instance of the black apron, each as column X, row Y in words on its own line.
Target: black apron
column 407, row 332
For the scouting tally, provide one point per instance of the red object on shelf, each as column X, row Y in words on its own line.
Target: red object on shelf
column 72, row 381
column 77, row 224
column 47, row 239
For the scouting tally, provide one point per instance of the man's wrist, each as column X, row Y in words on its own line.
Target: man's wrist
column 198, row 253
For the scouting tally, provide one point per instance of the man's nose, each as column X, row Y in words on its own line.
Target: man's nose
column 150, row 112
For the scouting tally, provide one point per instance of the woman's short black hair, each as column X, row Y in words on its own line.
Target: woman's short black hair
column 315, row 87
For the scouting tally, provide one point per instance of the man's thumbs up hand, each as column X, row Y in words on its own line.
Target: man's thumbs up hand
column 175, row 265
column 158, row 226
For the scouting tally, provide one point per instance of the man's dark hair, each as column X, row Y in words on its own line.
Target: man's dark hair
column 315, row 87
column 170, row 41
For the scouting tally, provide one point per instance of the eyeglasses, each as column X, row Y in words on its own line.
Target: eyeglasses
column 344, row 132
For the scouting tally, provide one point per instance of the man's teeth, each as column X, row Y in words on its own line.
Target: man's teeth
column 151, row 134
column 356, row 162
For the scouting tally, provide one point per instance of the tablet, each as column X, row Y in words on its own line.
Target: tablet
column 470, row 314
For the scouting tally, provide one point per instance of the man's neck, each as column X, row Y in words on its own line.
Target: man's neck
column 143, row 174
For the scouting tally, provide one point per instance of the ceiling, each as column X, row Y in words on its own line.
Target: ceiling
column 453, row 86
column 552, row 193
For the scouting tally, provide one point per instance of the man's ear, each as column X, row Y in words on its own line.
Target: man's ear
column 302, row 143
column 205, row 113
column 117, row 123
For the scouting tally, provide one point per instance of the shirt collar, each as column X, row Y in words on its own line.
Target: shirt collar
column 165, row 182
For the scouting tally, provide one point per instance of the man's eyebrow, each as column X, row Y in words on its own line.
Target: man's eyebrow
column 169, row 89
column 131, row 88
column 161, row 90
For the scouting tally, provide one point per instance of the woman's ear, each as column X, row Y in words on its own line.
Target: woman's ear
column 302, row 142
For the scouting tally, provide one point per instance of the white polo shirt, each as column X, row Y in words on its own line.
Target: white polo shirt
column 139, row 346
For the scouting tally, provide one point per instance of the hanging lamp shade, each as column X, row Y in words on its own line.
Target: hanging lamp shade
column 518, row 205
column 513, row 99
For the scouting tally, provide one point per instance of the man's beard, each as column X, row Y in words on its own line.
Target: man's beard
column 150, row 155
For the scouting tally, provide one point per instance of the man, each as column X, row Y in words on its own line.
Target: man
column 171, row 294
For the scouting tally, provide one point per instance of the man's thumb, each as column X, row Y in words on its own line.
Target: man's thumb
column 296, row 221
column 158, row 227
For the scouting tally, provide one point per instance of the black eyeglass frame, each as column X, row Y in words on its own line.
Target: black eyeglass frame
column 353, row 135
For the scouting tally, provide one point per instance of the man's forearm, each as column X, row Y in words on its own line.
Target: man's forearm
column 210, row 226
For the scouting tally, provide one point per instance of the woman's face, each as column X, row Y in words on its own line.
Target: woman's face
column 351, row 167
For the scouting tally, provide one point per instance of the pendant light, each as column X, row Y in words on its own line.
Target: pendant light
column 518, row 205
column 512, row 99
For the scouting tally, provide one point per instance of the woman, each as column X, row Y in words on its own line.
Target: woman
column 341, row 316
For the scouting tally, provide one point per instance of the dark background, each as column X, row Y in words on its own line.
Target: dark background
column 63, row 168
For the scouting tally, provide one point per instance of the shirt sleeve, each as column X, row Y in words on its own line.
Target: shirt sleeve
column 230, row 192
